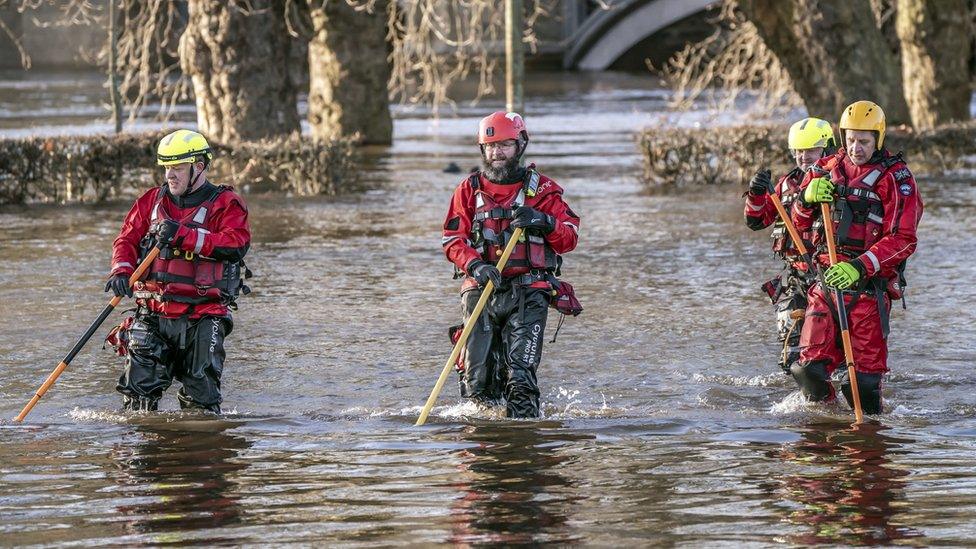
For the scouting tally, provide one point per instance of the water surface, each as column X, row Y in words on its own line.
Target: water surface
column 666, row 420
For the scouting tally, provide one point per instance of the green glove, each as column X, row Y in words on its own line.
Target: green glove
column 819, row 190
column 842, row 275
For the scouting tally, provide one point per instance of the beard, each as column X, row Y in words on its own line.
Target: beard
column 508, row 172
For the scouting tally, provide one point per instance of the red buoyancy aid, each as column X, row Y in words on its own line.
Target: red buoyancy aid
column 490, row 230
column 187, row 277
column 858, row 215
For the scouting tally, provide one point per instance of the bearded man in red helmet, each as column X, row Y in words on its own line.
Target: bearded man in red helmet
column 184, row 302
column 808, row 140
column 876, row 209
column 505, row 348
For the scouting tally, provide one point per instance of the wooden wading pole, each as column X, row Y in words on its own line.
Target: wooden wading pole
column 468, row 327
column 845, row 332
column 790, row 228
column 84, row 339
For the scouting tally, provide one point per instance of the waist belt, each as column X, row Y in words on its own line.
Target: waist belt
column 527, row 279
column 875, row 287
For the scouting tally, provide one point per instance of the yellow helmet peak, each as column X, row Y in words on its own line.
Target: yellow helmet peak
column 183, row 146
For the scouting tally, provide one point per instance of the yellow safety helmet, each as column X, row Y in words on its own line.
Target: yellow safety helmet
column 183, row 146
column 811, row 133
column 864, row 115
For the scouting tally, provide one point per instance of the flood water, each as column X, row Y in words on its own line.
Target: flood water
column 666, row 421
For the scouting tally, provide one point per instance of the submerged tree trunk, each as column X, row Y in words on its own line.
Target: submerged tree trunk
column 935, row 38
column 237, row 56
column 834, row 52
column 349, row 72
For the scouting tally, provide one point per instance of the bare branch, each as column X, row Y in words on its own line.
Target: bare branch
column 435, row 43
column 25, row 60
column 733, row 59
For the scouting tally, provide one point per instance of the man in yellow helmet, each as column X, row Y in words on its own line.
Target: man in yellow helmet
column 184, row 302
column 809, row 140
column 876, row 209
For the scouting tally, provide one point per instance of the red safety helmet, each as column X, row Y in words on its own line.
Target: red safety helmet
column 501, row 125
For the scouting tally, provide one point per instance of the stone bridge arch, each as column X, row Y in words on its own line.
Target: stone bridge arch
column 606, row 34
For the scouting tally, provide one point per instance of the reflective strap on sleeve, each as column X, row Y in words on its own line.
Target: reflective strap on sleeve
column 200, row 236
column 874, row 260
column 121, row 264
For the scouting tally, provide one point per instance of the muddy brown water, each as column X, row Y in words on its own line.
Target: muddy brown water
column 666, row 421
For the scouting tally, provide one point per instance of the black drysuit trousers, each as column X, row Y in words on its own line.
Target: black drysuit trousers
column 505, row 347
column 164, row 349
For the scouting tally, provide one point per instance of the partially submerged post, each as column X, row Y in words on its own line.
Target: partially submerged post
column 514, row 56
column 113, row 71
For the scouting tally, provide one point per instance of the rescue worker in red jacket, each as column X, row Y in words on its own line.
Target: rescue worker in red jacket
column 809, row 140
column 505, row 347
column 876, row 209
column 184, row 302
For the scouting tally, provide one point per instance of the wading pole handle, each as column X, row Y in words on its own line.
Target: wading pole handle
column 468, row 327
column 143, row 267
column 829, row 232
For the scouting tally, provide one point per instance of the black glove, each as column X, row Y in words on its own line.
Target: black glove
column 760, row 183
column 531, row 218
column 119, row 284
column 166, row 233
column 483, row 272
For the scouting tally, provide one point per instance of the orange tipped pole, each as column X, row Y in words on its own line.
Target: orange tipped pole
column 468, row 327
column 143, row 267
column 845, row 332
column 790, row 228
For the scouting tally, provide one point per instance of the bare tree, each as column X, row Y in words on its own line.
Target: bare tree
column 233, row 55
column 349, row 71
column 934, row 60
column 237, row 56
column 733, row 59
column 436, row 43
column 834, row 52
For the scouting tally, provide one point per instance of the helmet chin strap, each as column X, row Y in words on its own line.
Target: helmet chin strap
column 193, row 181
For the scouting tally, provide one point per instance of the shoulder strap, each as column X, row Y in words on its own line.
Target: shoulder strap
column 205, row 207
column 154, row 214
column 893, row 159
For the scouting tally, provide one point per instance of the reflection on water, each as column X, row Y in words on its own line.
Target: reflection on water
column 511, row 489
column 849, row 491
column 177, row 478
